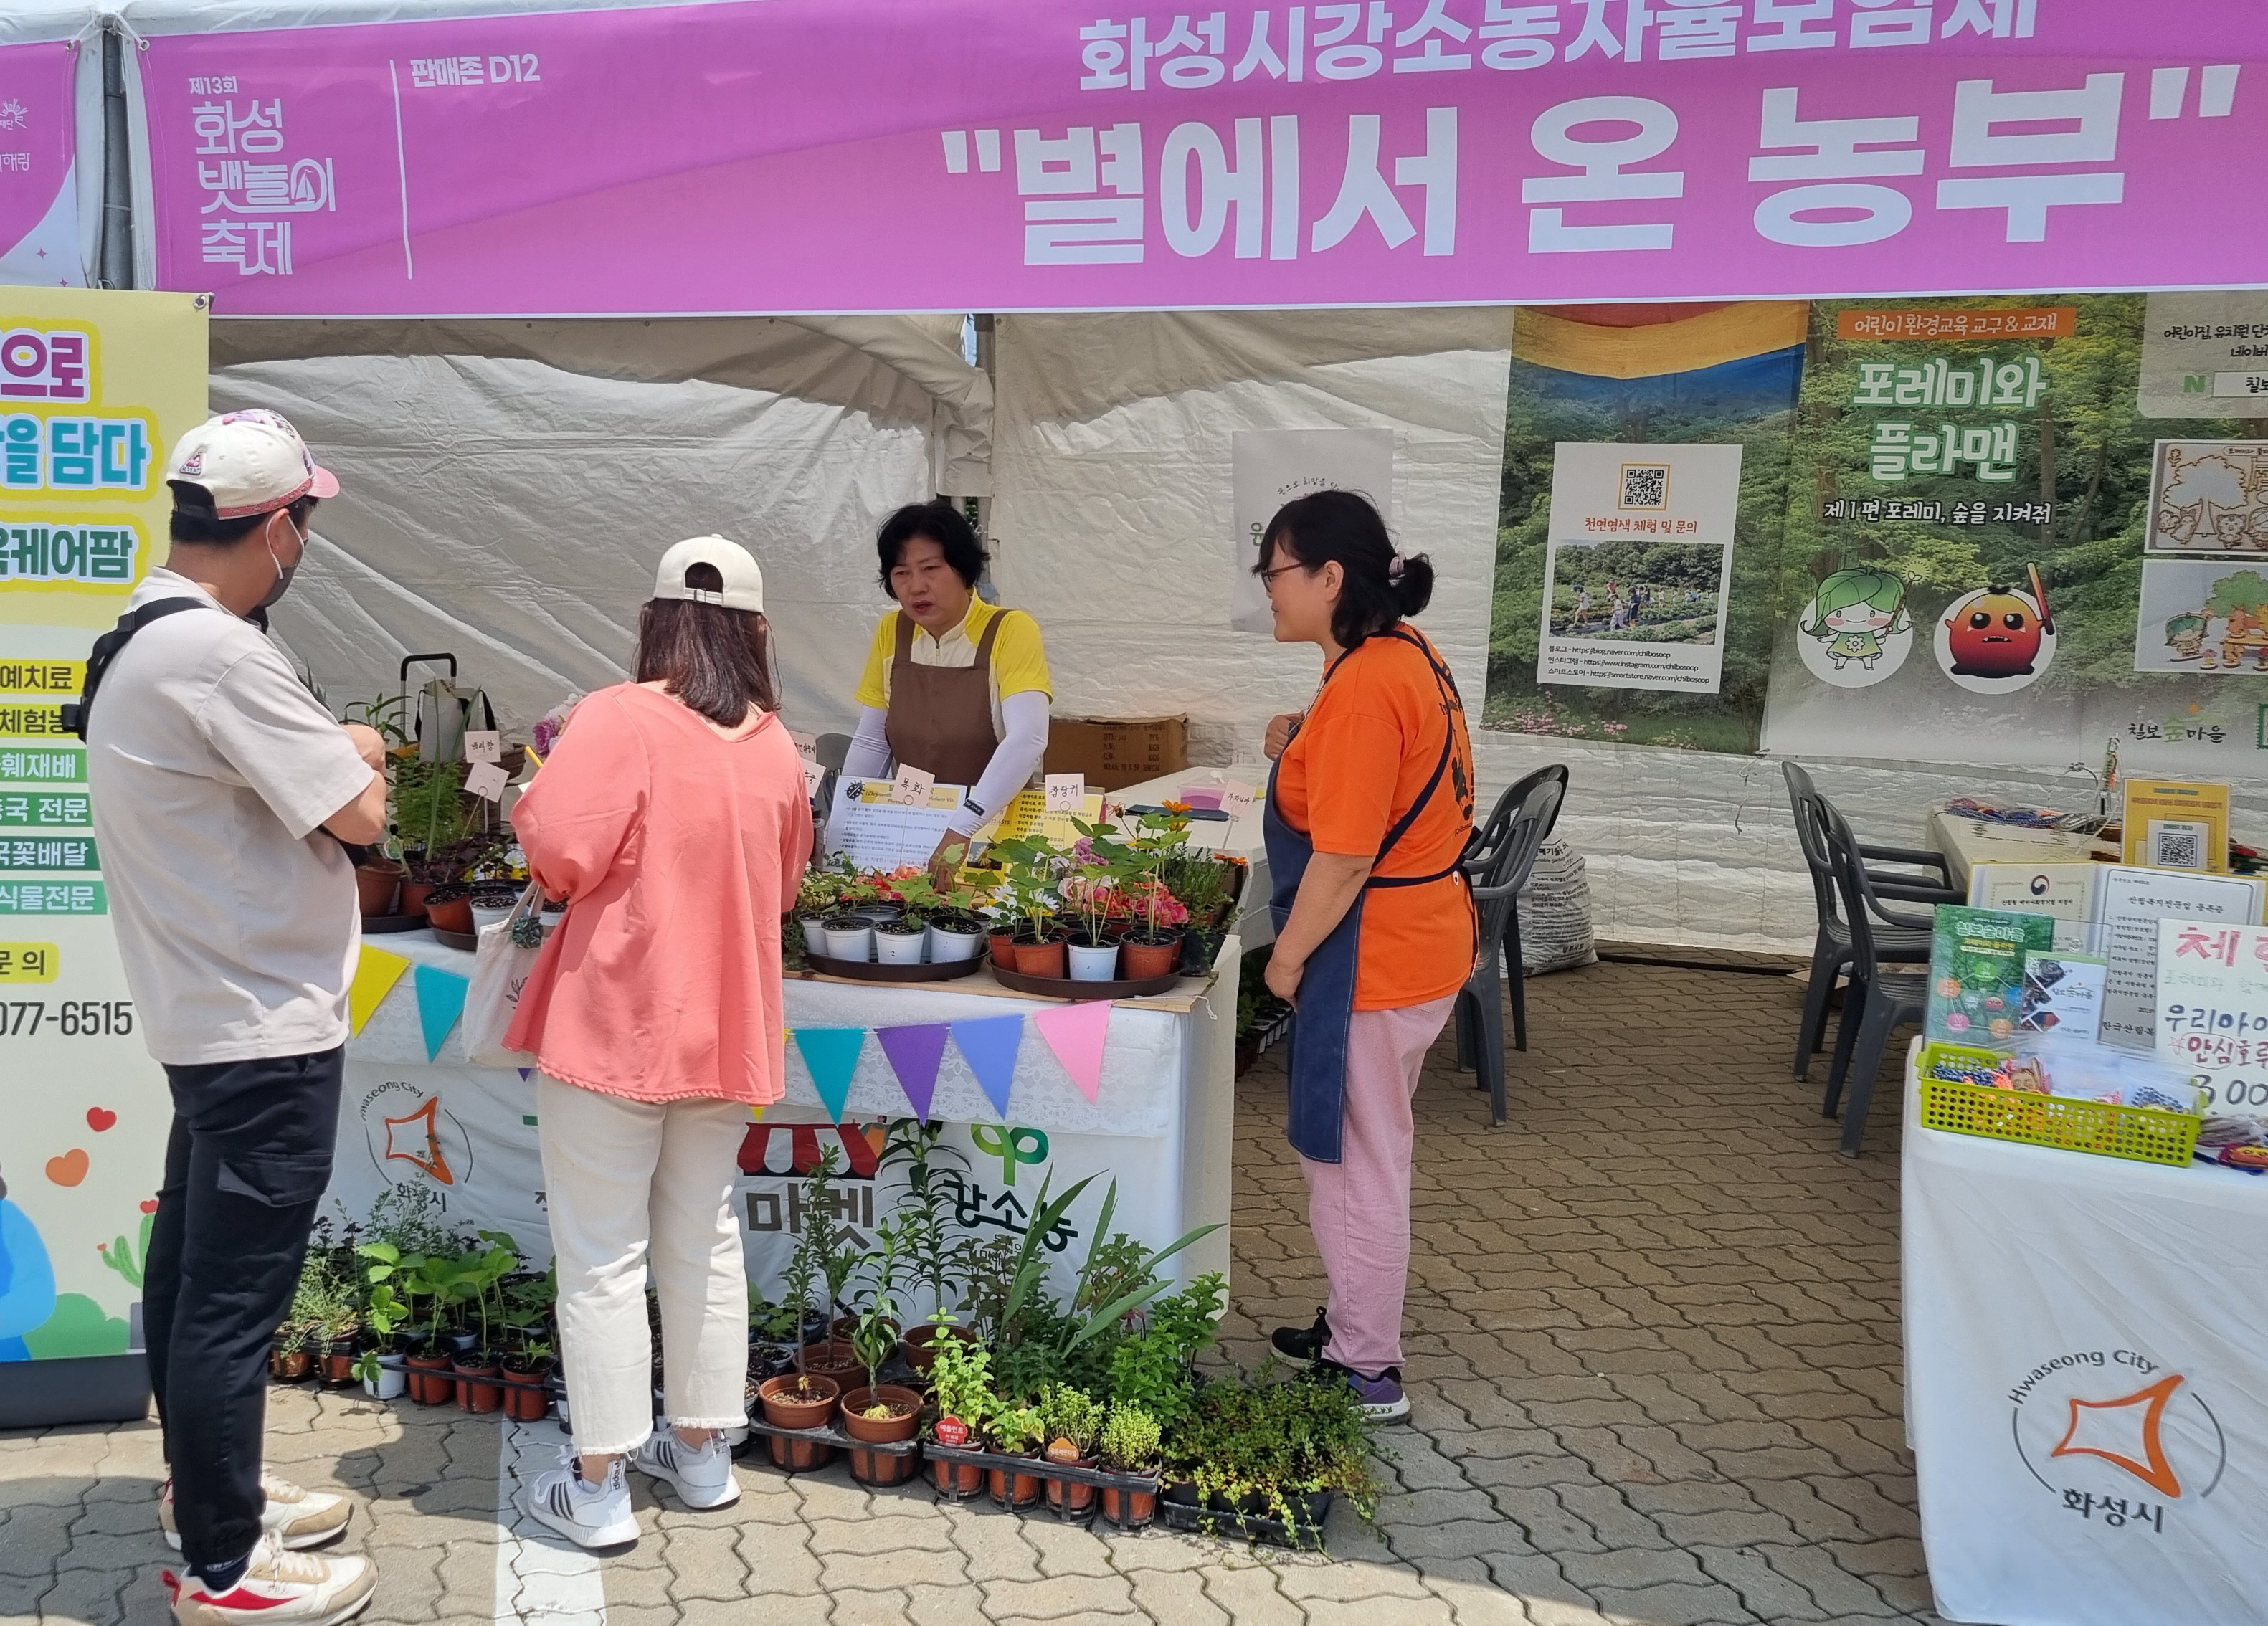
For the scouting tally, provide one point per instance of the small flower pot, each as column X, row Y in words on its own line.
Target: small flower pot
column 901, row 942
column 843, row 1327
column 791, row 1402
column 849, row 938
column 1129, row 1509
column 448, row 909
column 1004, row 948
column 920, row 1345
column 957, row 1481
column 879, row 1467
column 1092, row 962
column 524, row 1399
column 814, row 935
column 391, row 1379
column 288, row 1365
column 832, row 1358
column 1071, row 1499
column 950, row 944
column 1148, row 955
column 1010, row 1487
column 475, row 1395
column 339, row 1361
column 1199, row 950
column 377, row 885
column 1046, row 959
column 413, row 893
column 487, row 914
column 876, row 914
column 429, row 1384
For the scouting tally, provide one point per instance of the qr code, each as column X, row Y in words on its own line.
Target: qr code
column 1646, row 485
column 2177, row 846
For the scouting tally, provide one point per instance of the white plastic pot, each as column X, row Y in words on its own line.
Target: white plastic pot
column 848, row 942
column 947, row 947
column 486, row 914
column 900, row 948
column 390, row 1381
column 814, row 937
column 1093, row 965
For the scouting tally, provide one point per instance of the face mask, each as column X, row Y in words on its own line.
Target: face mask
column 283, row 572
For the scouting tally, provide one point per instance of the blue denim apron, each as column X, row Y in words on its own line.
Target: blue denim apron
column 1316, row 1047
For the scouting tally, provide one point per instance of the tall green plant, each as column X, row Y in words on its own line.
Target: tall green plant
column 925, row 1202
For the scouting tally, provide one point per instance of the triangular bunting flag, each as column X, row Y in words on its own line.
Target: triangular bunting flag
column 989, row 1045
column 1076, row 1034
column 832, row 1054
column 440, row 1002
column 914, row 1053
column 523, row 1071
column 375, row 974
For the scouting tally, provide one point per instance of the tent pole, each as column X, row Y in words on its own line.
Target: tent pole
column 117, row 255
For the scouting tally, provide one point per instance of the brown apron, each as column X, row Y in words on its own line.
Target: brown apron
column 940, row 718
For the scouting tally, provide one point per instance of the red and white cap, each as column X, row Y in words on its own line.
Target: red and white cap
column 248, row 462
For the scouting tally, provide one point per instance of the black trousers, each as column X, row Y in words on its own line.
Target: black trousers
column 248, row 1161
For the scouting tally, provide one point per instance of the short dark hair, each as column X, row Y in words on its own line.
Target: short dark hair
column 716, row 660
column 943, row 524
column 1344, row 525
column 198, row 530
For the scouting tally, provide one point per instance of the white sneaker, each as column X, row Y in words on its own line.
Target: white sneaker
column 587, row 1514
column 278, row 1587
column 702, row 1474
column 298, row 1518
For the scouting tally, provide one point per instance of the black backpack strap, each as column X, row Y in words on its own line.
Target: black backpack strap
column 106, row 650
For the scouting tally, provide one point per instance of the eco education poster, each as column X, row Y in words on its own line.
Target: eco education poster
column 97, row 385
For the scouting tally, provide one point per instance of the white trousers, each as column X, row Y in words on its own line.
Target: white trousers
column 629, row 1184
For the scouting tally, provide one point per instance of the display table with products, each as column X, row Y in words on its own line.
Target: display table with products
column 2086, row 1383
column 1159, row 1120
column 1239, row 837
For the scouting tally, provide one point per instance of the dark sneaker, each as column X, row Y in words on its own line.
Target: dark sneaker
column 1380, row 1396
column 1302, row 1344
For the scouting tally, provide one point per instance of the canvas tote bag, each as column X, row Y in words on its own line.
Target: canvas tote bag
column 506, row 955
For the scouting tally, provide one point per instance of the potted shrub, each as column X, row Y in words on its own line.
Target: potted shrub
column 960, row 1382
column 798, row 1400
column 526, row 1399
column 1130, row 1445
column 880, row 1414
column 1013, row 1431
column 1090, row 891
column 1073, row 1422
column 290, row 1355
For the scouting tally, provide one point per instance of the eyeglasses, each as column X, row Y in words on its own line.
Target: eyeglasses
column 1268, row 578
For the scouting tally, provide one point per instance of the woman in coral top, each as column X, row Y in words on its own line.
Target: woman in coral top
column 1369, row 812
column 672, row 815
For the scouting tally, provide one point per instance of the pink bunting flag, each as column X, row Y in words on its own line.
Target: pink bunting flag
column 1076, row 1034
column 915, row 1053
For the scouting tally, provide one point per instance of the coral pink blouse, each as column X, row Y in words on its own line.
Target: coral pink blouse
column 678, row 850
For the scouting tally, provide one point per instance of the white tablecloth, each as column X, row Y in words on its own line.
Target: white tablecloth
column 2087, row 1383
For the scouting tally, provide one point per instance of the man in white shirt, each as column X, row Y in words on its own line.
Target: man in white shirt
column 223, row 790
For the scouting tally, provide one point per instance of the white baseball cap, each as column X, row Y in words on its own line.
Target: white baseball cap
column 248, row 462
column 735, row 565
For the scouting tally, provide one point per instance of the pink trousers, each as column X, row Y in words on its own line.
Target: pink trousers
column 1359, row 1208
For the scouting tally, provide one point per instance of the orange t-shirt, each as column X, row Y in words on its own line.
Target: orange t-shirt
column 1358, row 765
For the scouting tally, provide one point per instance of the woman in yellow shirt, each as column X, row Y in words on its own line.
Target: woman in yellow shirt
column 953, row 686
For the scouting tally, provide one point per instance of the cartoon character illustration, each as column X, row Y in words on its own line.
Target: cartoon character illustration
column 2185, row 634
column 1999, row 633
column 27, row 1279
column 1853, row 611
column 2243, row 598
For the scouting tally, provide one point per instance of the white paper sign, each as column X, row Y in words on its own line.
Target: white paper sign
column 2133, row 901
column 912, row 787
column 1273, row 466
column 807, row 746
column 813, row 775
column 1066, row 792
column 2200, row 356
column 483, row 745
column 2212, row 1012
column 880, row 832
column 1238, row 800
column 1639, row 568
column 486, row 780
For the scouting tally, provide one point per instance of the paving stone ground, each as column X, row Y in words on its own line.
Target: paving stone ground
column 1653, row 1352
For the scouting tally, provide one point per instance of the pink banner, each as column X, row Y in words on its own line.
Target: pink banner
column 39, row 213
column 868, row 155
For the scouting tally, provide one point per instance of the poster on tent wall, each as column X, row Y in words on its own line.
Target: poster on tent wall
column 1051, row 156
column 39, row 192
column 1272, row 467
column 82, row 511
column 1972, row 482
column 2205, row 353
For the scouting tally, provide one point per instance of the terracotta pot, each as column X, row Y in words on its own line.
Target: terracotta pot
column 524, row 1397
column 786, row 1409
column 413, row 896
column 476, row 1396
column 1004, row 948
column 839, row 1330
column 426, row 1388
column 1068, row 1499
column 1129, row 1509
column 920, row 1345
column 832, row 1358
column 1010, row 1489
column 377, row 885
column 289, row 1365
column 1049, row 958
column 339, row 1361
column 1145, row 961
column 960, row 1481
column 444, row 912
column 879, row 1467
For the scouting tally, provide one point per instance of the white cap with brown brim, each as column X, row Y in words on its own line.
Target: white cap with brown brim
column 743, row 583
column 244, row 463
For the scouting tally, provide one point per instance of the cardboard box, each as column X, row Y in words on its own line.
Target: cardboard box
column 1115, row 752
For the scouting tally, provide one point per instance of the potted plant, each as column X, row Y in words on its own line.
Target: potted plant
column 880, row 1414
column 473, row 1278
column 431, row 821
column 955, row 931
column 1073, row 1422
column 290, row 1356
column 1013, row 1431
column 960, row 1382
column 1130, row 1445
column 819, row 896
column 848, row 937
column 1206, row 884
column 800, row 1398
column 1153, row 947
column 921, row 1209
column 491, row 903
column 449, row 909
column 1029, row 868
column 525, row 1369
column 1090, row 890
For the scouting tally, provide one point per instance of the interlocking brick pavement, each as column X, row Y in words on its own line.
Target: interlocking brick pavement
column 1652, row 1351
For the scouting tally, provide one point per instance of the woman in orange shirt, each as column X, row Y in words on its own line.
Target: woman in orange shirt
column 1369, row 812
column 672, row 815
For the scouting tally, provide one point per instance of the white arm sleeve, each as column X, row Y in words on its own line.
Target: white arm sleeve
column 869, row 756
column 1023, row 718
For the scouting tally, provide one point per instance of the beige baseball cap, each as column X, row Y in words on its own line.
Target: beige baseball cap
column 744, row 581
column 241, row 463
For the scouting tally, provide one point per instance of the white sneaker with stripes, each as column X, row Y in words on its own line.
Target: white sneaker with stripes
column 587, row 1514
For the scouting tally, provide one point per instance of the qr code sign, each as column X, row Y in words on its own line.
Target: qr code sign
column 2177, row 846
column 1645, row 486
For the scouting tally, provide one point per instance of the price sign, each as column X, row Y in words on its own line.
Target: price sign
column 1066, row 792
column 487, row 781
column 812, row 774
column 912, row 787
column 483, row 745
column 807, row 746
column 1238, row 800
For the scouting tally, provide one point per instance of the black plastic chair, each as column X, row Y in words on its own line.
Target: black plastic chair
column 1480, row 852
column 1831, row 950
column 1879, row 1000
column 1523, row 817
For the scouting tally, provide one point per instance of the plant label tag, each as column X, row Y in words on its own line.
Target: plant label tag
column 1066, row 792
column 1238, row 800
column 951, row 1432
column 812, row 774
column 912, row 787
column 483, row 745
column 486, row 780
column 807, row 746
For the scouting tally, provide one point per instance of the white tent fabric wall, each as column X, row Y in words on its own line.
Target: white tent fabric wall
column 1111, row 515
